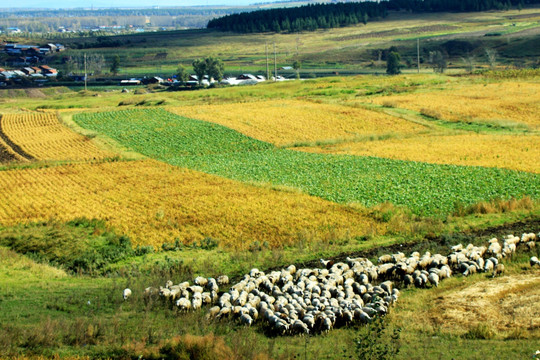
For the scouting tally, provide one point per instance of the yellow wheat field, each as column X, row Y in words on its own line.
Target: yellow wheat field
column 504, row 103
column 153, row 202
column 502, row 151
column 45, row 138
column 285, row 122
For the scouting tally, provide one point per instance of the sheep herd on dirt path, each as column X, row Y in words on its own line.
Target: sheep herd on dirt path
column 315, row 300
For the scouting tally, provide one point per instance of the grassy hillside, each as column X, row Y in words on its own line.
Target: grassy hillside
column 345, row 50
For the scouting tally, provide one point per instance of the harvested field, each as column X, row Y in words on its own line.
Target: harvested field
column 502, row 151
column 13, row 151
column 41, row 136
column 505, row 304
column 154, row 203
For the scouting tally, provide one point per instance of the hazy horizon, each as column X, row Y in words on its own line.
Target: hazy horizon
column 39, row 4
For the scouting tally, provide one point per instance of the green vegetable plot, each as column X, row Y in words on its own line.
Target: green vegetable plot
column 426, row 189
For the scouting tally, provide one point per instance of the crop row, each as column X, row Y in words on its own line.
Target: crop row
column 43, row 137
column 426, row 189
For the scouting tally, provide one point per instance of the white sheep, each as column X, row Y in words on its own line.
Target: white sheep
column 212, row 313
column 223, row 280
column 528, row 237
column 201, row 281
column 534, row 261
column 126, row 293
column 246, row 319
column 183, row 304
column 434, row 279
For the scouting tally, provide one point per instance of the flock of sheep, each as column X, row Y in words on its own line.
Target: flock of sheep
column 313, row 300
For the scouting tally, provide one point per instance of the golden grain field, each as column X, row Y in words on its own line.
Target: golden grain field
column 503, row 151
column 45, row 138
column 286, row 122
column 507, row 103
column 153, row 202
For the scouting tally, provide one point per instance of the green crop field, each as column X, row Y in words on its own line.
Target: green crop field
column 423, row 188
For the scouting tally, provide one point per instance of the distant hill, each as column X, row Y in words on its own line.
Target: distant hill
column 323, row 16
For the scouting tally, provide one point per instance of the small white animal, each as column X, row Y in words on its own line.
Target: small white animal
column 126, row 294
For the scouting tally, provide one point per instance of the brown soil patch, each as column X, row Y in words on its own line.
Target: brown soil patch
column 5, row 155
column 35, row 93
column 505, row 304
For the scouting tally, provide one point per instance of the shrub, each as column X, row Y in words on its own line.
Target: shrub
column 431, row 113
column 208, row 243
column 482, row 331
column 78, row 246
column 377, row 342
column 392, row 65
column 143, row 250
column 208, row 347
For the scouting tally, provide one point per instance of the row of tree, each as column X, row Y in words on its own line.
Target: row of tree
column 321, row 16
column 308, row 17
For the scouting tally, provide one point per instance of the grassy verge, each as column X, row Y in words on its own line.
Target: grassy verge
column 46, row 311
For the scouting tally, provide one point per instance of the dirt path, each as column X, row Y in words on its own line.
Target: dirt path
column 443, row 242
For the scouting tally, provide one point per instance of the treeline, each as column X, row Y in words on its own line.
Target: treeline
column 455, row 5
column 307, row 17
column 322, row 16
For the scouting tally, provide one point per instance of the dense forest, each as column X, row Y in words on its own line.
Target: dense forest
column 322, row 16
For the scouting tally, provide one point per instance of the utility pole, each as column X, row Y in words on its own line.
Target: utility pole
column 418, row 53
column 267, row 64
column 275, row 63
column 85, row 75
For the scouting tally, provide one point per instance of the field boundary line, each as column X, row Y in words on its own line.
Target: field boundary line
column 100, row 140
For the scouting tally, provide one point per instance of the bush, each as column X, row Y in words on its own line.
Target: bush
column 392, row 65
column 78, row 246
column 208, row 243
column 376, row 342
column 143, row 250
column 481, row 331
column 189, row 347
